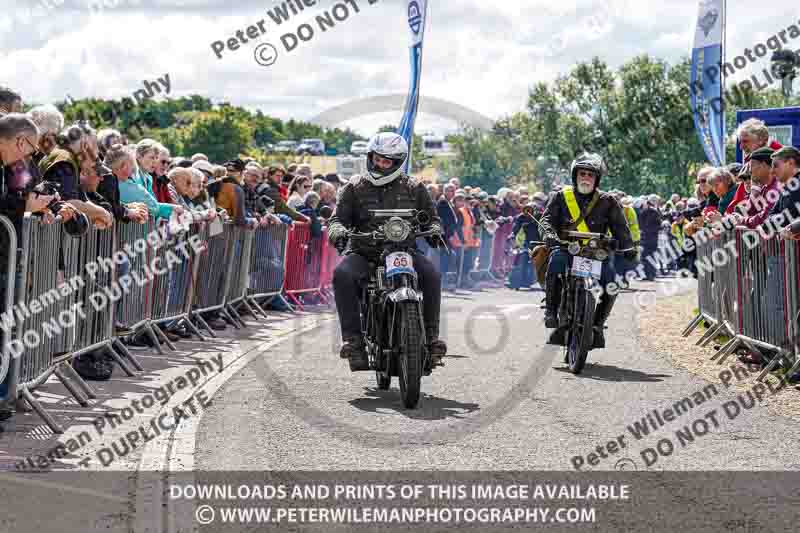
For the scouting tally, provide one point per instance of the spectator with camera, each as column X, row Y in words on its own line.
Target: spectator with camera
column 61, row 169
column 272, row 189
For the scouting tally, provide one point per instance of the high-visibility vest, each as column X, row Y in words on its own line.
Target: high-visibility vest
column 633, row 223
column 470, row 239
column 677, row 232
column 574, row 210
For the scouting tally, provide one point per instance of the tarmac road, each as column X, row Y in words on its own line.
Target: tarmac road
column 504, row 401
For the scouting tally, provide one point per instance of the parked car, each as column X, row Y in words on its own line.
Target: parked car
column 347, row 166
column 359, row 148
column 311, row 146
column 286, row 147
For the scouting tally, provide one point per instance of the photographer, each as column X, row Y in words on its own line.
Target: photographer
column 76, row 152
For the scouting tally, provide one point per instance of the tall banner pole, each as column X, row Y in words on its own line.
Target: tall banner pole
column 707, row 80
column 417, row 12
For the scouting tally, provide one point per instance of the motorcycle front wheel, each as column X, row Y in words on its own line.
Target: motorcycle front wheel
column 580, row 334
column 384, row 382
column 410, row 353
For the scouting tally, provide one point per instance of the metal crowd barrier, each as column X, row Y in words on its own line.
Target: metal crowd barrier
column 135, row 308
column 267, row 262
column 9, row 240
column 485, row 253
column 705, row 293
column 174, row 267
column 303, row 262
column 242, row 249
column 60, row 320
column 214, row 276
column 753, row 298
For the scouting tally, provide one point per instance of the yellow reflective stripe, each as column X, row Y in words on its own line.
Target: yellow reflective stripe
column 633, row 223
column 574, row 210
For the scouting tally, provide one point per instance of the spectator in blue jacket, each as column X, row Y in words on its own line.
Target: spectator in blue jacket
column 450, row 227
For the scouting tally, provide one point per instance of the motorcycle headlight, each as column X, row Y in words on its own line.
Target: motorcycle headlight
column 396, row 229
column 601, row 255
column 574, row 248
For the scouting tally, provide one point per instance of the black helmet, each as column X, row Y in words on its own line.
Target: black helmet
column 77, row 226
column 591, row 162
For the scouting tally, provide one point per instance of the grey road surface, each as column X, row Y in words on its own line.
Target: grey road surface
column 504, row 401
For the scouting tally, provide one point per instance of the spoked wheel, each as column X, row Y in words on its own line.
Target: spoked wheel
column 579, row 337
column 384, row 382
column 410, row 353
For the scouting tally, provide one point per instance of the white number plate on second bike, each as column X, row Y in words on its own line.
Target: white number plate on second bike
column 585, row 267
column 399, row 263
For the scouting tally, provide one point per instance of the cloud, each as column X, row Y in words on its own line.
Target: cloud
column 484, row 55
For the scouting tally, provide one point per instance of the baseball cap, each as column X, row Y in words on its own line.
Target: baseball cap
column 235, row 165
column 763, row 154
column 205, row 166
column 787, row 152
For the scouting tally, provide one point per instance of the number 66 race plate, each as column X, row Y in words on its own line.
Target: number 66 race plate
column 399, row 263
column 585, row 267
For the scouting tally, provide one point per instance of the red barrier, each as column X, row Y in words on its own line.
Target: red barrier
column 330, row 259
column 502, row 262
column 303, row 263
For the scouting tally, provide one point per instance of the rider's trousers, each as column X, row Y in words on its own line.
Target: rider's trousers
column 353, row 272
column 561, row 260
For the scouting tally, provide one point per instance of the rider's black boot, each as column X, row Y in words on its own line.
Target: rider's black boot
column 552, row 299
column 436, row 346
column 601, row 314
column 353, row 349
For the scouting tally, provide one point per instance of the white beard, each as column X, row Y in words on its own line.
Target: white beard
column 584, row 188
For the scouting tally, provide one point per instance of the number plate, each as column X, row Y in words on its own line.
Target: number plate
column 399, row 263
column 584, row 267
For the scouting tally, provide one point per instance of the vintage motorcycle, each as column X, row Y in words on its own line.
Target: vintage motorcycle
column 391, row 305
column 576, row 310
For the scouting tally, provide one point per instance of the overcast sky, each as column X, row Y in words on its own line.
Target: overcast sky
column 480, row 54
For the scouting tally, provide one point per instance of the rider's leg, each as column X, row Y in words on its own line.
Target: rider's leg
column 604, row 306
column 559, row 260
column 430, row 281
column 347, row 278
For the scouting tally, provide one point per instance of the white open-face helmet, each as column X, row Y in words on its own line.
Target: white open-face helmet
column 391, row 146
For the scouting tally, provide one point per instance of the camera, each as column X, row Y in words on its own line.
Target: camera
column 693, row 212
column 48, row 188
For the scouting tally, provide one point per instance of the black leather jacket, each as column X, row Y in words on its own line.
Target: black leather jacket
column 359, row 196
column 606, row 214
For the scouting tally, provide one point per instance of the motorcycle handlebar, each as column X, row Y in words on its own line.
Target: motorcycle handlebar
column 375, row 236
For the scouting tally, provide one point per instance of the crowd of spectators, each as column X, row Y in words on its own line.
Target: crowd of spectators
column 85, row 177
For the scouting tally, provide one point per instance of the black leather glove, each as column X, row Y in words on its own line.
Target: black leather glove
column 434, row 241
column 341, row 243
column 552, row 242
column 631, row 255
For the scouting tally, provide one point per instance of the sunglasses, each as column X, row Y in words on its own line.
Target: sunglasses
column 701, row 181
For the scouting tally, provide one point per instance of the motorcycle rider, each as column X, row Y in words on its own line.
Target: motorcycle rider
column 582, row 207
column 384, row 186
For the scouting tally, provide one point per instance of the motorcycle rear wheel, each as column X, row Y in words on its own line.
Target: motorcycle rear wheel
column 410, row 353
column 580, row 335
